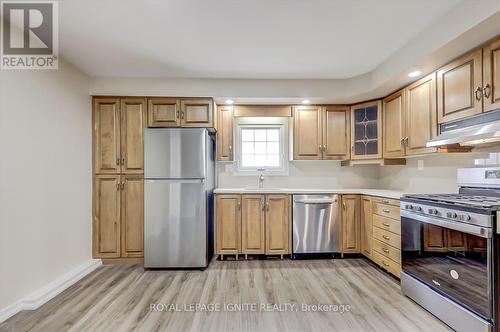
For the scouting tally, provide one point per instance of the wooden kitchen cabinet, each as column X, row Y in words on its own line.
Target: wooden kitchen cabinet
column 366, row 226
column 336, row 133
column 350, row 224
column 421, row 115
column 119, row 135
column 106, row 216
column 278, row 226
column 434, row 238
column 228, row 224
column 197, row 113
column 132, row 216
column 225, row 133
column 106, row 118
column 253, row 224
column 394, row 132
column 491, row 76
column 164, row 112
column 459, row 87
column 366, row 130
column 307, row 134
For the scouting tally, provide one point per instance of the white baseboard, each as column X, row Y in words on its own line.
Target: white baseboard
column 49, row 291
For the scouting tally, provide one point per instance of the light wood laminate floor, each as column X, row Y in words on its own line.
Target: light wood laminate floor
column 118, row 298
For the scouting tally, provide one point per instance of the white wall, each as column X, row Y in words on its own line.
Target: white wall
column 45, row 178
column 306, row 174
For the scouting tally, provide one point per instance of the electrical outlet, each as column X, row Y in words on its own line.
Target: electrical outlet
column 420, row 165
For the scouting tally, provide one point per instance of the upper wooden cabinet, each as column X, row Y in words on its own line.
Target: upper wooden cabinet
column 225, row 133
column 164, row 112
column 228, row 224
column 174, row 112
column 252, row 222
column 394, row 132
column 278, row 226
column 350, row 224
column 366, row 225
column 118, row 135
column 321, row 133
column 491, row 76
column 366, row 130
column 307, row 135
column 197, row 113
column 421, row 116
column 459, row 87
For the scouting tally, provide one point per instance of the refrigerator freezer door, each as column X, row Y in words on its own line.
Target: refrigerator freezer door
column 175, row 223
column 175, row 153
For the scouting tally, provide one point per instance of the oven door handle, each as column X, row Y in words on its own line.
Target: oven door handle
column 457, row 226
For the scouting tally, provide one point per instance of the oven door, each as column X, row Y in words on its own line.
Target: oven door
column 453, row 258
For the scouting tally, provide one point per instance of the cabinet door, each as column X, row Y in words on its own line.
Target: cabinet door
column 307, row 140
column 491, row 72
column 278, row 225
column 164, row 112
column 106, row 118
column 350, row 224
column 459, row 84
column 366, row 226
column 132, row 216
column 434, row 238
column 366, row 130
column 421, row 116
column 456, row 241
column 393, row 125
column 197, row 113
column 106, row 219
column 225, row 133
column 133, row 112
column 228, row 224
column 336, row 134
column 252, row 224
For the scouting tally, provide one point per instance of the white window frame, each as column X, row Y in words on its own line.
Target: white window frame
column 260, row 122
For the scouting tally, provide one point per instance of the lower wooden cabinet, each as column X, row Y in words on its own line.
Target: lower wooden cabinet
column 350, row 224
column 118, row 216
column 252, row 224
column 366, row 226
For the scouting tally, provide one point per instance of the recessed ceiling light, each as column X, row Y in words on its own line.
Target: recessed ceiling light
column 306, row 101
column 229, row 101
column 414, row 73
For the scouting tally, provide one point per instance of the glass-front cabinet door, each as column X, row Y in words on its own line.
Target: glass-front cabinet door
column 366, row 131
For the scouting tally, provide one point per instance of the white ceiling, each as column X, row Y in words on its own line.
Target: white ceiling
column 299, row 39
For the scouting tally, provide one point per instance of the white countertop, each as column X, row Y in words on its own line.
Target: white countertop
column 371, row 192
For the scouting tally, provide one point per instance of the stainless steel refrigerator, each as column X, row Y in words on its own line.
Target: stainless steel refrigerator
column 178, row 197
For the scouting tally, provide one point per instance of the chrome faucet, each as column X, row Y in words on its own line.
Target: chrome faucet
column 261, row 177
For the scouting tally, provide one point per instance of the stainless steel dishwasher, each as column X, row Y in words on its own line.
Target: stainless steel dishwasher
column 316, row 224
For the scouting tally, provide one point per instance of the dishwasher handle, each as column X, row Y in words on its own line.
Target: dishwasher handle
column 316, row 201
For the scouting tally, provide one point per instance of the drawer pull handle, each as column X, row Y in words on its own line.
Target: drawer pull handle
column 386, row 224
column 385, row 264
column 386, row 201
column 385, row 250
column 386, row 237
column 386, row 210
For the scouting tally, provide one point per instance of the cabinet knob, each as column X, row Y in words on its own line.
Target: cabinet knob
column 478, row 93
column 487, row 90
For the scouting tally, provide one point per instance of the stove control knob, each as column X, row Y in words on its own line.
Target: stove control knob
column 408, row 207
column 463, row 217
column 432, row 211
column 451, row 215
column 417, row 208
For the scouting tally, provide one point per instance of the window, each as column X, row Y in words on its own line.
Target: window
column 261, row 146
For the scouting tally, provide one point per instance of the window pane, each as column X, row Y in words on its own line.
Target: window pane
column 260, row 135
column 273, row 147
column 273, row 135
column 273, row 160
column 260, row 160
column 260, row 147
column 247, row 147
column 247, row 160
column 247, row 135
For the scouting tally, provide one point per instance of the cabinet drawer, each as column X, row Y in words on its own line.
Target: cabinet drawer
column 387, row 264
column 387, row 251
column 387, row 237
column 388, row 201
column 388, row 224
column 386, row 210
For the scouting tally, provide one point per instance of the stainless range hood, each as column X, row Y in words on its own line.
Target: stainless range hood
column 480, row 129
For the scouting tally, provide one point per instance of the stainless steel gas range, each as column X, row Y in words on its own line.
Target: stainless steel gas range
column 449, row 251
